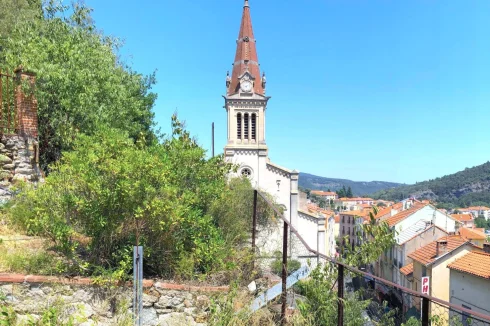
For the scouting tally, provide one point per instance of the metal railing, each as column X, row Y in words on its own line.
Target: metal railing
column 387, row 300
column 8, row 121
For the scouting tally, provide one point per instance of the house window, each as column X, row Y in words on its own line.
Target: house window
column 239, row 125
column 245, row 126
column 343, row 219
column 254, row 132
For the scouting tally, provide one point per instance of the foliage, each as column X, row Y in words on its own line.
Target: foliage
column 115, row 193
column 469, row 187
column 22, row 261
column 14, row 12
column 276, row 265
column 81, row 83
column 481, row 222
column 230, row 310
column 359, row 188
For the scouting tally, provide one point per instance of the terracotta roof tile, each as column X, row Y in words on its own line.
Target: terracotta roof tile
column 427, row 254
column 475, row 263
column 246, row 58
column 323, row 193
column 462, row 217
column 404, row 214
column 397, row 206
column 356, row 199
column 407, row 269
column 383, row 212
column 472, row 234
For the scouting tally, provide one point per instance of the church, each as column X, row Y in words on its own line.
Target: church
column 246, row 105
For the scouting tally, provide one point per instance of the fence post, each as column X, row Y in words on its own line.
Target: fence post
column 284, row 273
column 425, row 312
column 254, row 221
column 340, row 294
column 137, row 284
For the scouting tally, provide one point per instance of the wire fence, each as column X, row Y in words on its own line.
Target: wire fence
column 281, row 250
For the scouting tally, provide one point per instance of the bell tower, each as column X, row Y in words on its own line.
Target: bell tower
column 245, row 104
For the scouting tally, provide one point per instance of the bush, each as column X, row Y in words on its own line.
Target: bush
column 115, row 193
column 276, row 265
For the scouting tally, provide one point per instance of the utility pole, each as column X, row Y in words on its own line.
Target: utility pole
column 212, row 138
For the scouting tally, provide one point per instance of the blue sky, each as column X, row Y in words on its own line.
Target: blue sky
column 392, row 90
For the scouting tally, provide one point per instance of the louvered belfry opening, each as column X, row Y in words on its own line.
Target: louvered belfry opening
column 254, row 127
column 239, row 125
column 245, row 126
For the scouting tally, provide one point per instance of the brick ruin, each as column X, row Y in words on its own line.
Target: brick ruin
column 19, row 148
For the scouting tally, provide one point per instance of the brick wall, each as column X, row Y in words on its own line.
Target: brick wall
column 26, row 104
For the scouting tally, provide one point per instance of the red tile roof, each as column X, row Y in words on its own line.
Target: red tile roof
column 356, row 199
column 383, row 212
column 407, row 269
column 404, row 214
column 472, row 234
column 427, row 254
column 397, row 206
column 337, row 218
column 475, row 263
column 462, row 217
column 323, row 193
column 246, row 58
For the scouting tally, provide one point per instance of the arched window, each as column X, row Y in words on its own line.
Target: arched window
column 254, row 126
column 239, row 126
column 245, row 126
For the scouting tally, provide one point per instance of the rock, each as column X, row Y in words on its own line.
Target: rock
column 149, row 317
column 190, row 311
column 82, row 295
column 202, row 302
column 201, row 317
column 4, row 159
column 252, row 287
column 24, row 171
column 187, row 303
column 2, row 146
column 149, row 300
column 9, row 166
column 176, row 301
column 88, row 323
column 164, row 302
column 175, row 319
column 164, row 311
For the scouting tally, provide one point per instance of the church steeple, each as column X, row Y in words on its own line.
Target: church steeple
column 246, row 59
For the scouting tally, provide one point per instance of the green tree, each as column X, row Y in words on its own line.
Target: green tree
column 15, row 12
column 349, row 193
column 81, row 83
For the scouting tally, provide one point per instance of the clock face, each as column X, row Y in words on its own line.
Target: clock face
column 246, row 86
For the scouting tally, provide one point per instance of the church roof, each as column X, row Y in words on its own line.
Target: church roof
column 246, row 58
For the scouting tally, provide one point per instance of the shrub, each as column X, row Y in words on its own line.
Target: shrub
column 115, row 193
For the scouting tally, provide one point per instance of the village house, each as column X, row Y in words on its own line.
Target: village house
column 327, row 195
column 476, row 211
column 351, row 204
column 350, row 225
column 476, row 236
column 466, row 219
column 432, row 261
column 469, row 284
column 407, row 241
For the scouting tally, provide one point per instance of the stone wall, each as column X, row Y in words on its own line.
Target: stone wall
column 18, row 161
column 87, row 304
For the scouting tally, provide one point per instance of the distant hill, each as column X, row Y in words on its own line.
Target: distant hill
column 359, row 188
column 465, row 188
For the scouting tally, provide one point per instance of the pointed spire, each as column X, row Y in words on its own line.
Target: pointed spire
column 246, row 58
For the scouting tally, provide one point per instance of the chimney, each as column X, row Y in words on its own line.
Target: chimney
column 441, row 247
column 486, row 248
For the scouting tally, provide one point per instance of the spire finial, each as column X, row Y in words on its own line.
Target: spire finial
column 246, row 3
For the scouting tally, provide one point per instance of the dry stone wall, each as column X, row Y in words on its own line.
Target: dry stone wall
column 86, row 304
column 18, row 161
